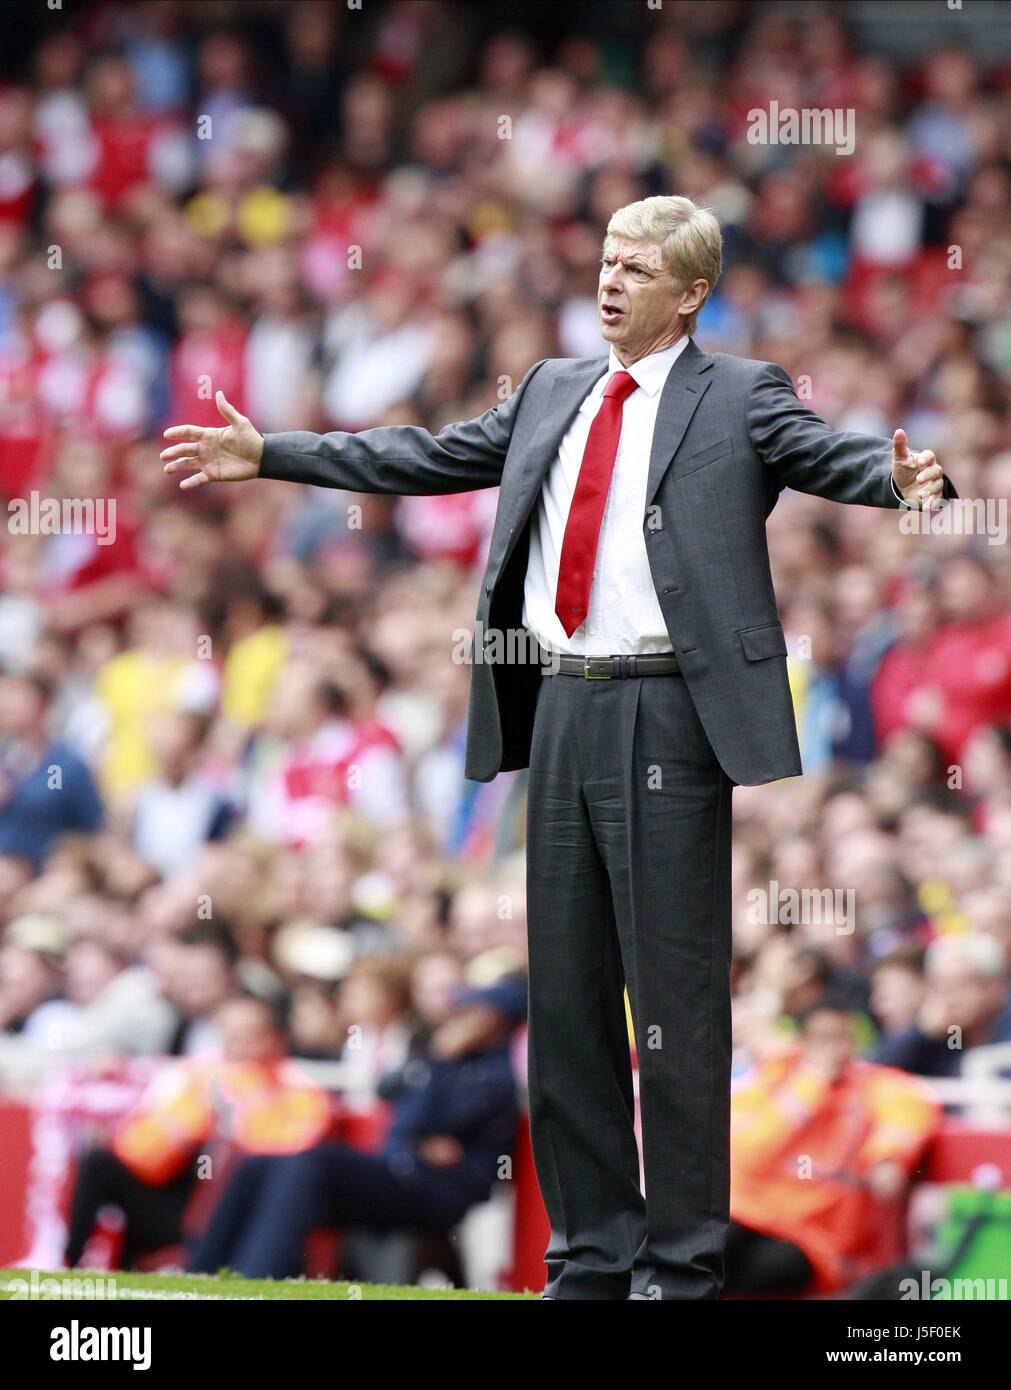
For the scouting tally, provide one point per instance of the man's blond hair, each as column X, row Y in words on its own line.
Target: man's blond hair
column 688, row 236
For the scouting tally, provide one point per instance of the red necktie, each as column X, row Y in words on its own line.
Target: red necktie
column 586, row 511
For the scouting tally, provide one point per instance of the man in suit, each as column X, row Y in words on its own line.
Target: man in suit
column 630, row 542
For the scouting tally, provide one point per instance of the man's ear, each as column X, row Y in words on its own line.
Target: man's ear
column 694, row 297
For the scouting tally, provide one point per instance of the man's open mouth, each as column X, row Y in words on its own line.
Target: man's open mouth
column 610, row 313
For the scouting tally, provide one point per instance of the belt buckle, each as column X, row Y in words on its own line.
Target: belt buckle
column 587, row 660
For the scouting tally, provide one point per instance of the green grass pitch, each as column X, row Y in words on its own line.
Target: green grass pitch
column 129, row 1286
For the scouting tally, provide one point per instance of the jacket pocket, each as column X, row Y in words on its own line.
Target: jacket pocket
column 762, row 642
column 709, row 454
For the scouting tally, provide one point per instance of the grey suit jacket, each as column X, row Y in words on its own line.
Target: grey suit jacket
column 730, row 435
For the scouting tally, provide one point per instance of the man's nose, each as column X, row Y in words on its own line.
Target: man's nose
column 611, row 279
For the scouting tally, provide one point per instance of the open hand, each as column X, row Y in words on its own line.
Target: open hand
column 918, row 476
column 230, row 455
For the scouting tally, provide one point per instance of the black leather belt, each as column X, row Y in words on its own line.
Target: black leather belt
column 610, row 668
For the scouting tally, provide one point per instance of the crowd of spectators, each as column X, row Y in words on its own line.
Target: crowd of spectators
column 251, row 700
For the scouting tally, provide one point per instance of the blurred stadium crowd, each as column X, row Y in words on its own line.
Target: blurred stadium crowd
column 251, row 694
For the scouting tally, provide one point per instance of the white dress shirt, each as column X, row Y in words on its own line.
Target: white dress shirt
column 624, row 617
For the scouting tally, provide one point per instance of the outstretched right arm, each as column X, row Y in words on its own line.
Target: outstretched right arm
column 403, row 459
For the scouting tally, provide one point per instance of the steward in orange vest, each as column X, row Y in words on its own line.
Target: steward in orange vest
column 819, row 1139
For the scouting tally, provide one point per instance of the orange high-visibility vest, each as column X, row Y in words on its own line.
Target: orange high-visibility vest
column 801, row 1147
column 262, row 1107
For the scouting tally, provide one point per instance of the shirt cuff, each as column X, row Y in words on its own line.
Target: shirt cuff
column 902, row 501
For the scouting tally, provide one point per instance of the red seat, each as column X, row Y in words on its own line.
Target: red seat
column 968, row 1153
column 531, row 1227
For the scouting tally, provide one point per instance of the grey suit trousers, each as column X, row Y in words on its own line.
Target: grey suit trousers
column 629, row 826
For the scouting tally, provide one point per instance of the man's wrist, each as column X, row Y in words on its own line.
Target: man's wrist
column 946, row 495
column 916, row 506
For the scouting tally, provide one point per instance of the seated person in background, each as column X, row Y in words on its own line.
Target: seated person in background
column 31, row 977
column 967, row 1005
column 250, row 1094
column 163, row 1002
column 454, row 1121
column 373, row 1002
column 898, row 989
column 179, row 810
column 818, row 1139
column 34, row 765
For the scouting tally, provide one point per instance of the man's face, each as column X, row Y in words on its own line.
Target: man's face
column 638, row 299
column 202, row 979
column 896, row 996
column 434, row 985
column 248, row 1033
column 21, row 706
column 827, row 1040
column 961, row 996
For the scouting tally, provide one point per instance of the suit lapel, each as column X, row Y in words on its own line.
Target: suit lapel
column 568, row 392
column 684, row 388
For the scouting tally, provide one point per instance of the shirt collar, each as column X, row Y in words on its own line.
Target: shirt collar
column 650, row 373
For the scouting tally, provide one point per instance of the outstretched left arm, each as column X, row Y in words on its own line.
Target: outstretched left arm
column 806, row 453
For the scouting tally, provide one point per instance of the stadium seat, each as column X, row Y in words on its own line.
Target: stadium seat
column 967, row 1153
